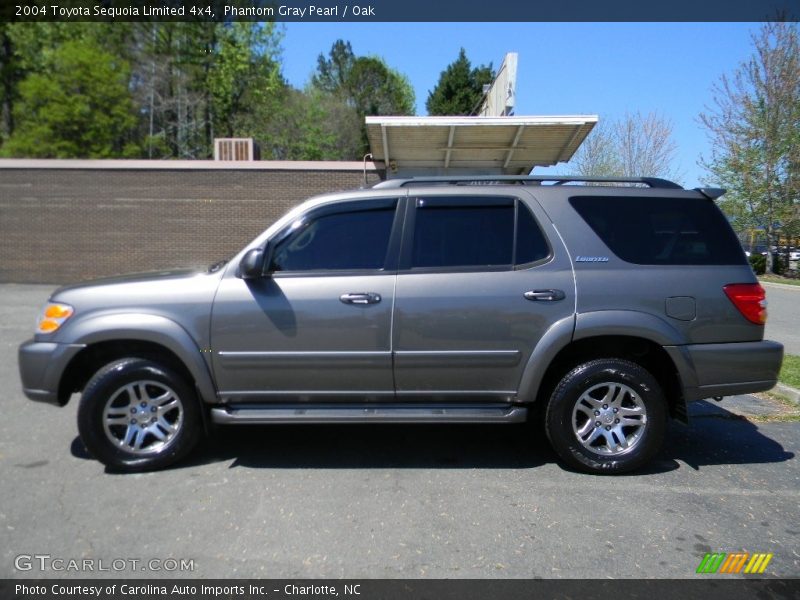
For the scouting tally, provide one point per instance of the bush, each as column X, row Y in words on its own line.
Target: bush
column 778, row 264
column 759, row 264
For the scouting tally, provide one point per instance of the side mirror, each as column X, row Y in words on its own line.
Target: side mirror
column 252, row 264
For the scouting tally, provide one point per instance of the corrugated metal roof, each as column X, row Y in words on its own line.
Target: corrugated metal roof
column 491, row 145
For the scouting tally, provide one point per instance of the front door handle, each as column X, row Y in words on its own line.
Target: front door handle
column 546, row 295
column 360, row 298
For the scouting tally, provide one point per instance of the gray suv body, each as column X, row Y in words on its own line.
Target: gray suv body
column 597, row 311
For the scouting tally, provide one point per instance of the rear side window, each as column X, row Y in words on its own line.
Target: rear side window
column 475, row 232
column 531, row 243
column 662, row 231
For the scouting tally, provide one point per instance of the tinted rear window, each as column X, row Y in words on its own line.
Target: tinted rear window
column 465, row 232
column 662, row 231
column 456, row 236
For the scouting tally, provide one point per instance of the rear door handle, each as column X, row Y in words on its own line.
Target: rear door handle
column 545, row 295
column 360, row 298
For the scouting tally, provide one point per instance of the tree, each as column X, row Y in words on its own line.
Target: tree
column 376, row 89
column 634, row 146
column 188, row 81
column 460, row 88
column 25, row 46
column 597, row 156
column 645, row 146
column 366, row 83
column 754, row 129
column 333, row 72
column 199, row 80
column 9, row 81
column 78, row 107
column 170, row 81
column 310, row 125
column 243, row 75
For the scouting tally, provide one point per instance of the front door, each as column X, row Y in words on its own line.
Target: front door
column 318, row 327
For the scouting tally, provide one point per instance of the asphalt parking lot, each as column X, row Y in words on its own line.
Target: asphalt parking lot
column 783, row 323
column 391, row 501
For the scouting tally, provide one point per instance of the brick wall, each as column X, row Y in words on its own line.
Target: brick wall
column 62, row 225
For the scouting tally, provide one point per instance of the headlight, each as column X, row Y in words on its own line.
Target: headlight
column 52, row 317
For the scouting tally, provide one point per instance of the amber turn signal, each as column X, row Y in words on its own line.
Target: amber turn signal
column 53, row 317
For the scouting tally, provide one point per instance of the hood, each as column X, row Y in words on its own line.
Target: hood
column 142, row 290
column 129, row 278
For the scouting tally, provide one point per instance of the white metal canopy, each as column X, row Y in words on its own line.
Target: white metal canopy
column 478, row 145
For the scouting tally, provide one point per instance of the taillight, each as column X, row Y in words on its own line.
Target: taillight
column 750, row 299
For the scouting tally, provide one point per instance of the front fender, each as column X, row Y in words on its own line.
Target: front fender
column 156, row 329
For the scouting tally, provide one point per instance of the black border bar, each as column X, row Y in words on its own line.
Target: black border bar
column 400, row 10
column 705, row 588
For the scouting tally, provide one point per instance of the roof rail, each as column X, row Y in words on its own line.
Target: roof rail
column 653, row 182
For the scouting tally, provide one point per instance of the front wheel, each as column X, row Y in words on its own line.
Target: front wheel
column 606, row 416
column 138, row 415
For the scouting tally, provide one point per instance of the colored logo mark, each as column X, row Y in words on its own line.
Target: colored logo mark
column 735, row 562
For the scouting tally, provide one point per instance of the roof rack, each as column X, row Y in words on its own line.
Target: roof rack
column 653, row 182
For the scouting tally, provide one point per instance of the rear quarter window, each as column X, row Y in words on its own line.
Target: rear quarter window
column 662, row 231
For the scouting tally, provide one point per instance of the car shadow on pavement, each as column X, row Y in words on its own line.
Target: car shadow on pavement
column 721, row 439
column 377, row 446
column 366, row 446
column 710, row 439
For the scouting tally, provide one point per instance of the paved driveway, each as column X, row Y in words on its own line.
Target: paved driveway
column 390, row 501
column 783, row 322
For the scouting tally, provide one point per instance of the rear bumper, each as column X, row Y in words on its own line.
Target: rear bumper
column 709, row 370
column 41, row 365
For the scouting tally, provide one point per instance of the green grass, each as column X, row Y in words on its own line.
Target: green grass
column 789, row 418
column 779, row 279
column 785, row 410
column 790, row 372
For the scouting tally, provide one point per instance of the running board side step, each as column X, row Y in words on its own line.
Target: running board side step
column 339, row 413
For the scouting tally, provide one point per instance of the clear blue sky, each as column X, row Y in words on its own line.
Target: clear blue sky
column 564, row 68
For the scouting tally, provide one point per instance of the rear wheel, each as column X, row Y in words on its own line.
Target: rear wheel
column 606, row 416
column 138, row 415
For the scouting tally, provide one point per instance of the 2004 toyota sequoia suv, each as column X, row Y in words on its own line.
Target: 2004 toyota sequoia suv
column 600, row 310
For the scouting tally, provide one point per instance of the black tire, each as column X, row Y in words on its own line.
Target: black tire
column 606, row 416
column 134, row 401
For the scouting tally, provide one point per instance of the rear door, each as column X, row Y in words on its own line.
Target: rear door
column 482, row 276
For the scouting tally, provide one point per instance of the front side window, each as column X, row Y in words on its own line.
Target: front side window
column 339, row 241
column 477, row 232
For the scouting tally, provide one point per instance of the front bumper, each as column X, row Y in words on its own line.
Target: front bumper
column 709, row 370
column 41, row 365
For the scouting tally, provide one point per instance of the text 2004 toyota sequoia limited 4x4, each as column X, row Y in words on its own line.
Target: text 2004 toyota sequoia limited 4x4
column 599, row 310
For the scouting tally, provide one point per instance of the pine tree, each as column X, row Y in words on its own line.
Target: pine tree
column 460, row 88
